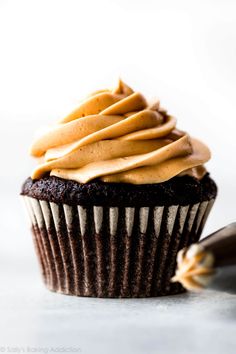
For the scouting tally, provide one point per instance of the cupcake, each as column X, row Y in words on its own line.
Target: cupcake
column 118, row 191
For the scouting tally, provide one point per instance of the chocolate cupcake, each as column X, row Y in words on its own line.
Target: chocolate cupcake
column 119, row 191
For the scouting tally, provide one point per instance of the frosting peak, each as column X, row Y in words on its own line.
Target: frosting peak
column 117, row 136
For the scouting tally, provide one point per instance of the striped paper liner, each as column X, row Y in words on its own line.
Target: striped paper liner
column 112, row 251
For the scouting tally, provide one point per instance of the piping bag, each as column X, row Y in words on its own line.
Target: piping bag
column 210, row 263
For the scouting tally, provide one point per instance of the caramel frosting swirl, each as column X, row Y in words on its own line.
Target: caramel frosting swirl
column 117, row 136
column 194, row 267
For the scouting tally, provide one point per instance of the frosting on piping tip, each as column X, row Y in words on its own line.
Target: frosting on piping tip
column 194, row 267
column 117, row 136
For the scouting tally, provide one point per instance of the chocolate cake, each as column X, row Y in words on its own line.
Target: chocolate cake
column 179, row 190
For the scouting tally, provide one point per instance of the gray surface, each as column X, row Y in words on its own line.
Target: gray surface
column 189, row 323
column 35, row 320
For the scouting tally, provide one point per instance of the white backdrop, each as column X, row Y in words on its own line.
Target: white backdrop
column 54, row 52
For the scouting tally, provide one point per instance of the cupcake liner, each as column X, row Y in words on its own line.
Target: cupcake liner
column 112, row 251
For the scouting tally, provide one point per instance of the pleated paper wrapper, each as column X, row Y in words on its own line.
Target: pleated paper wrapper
column 112, row 251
